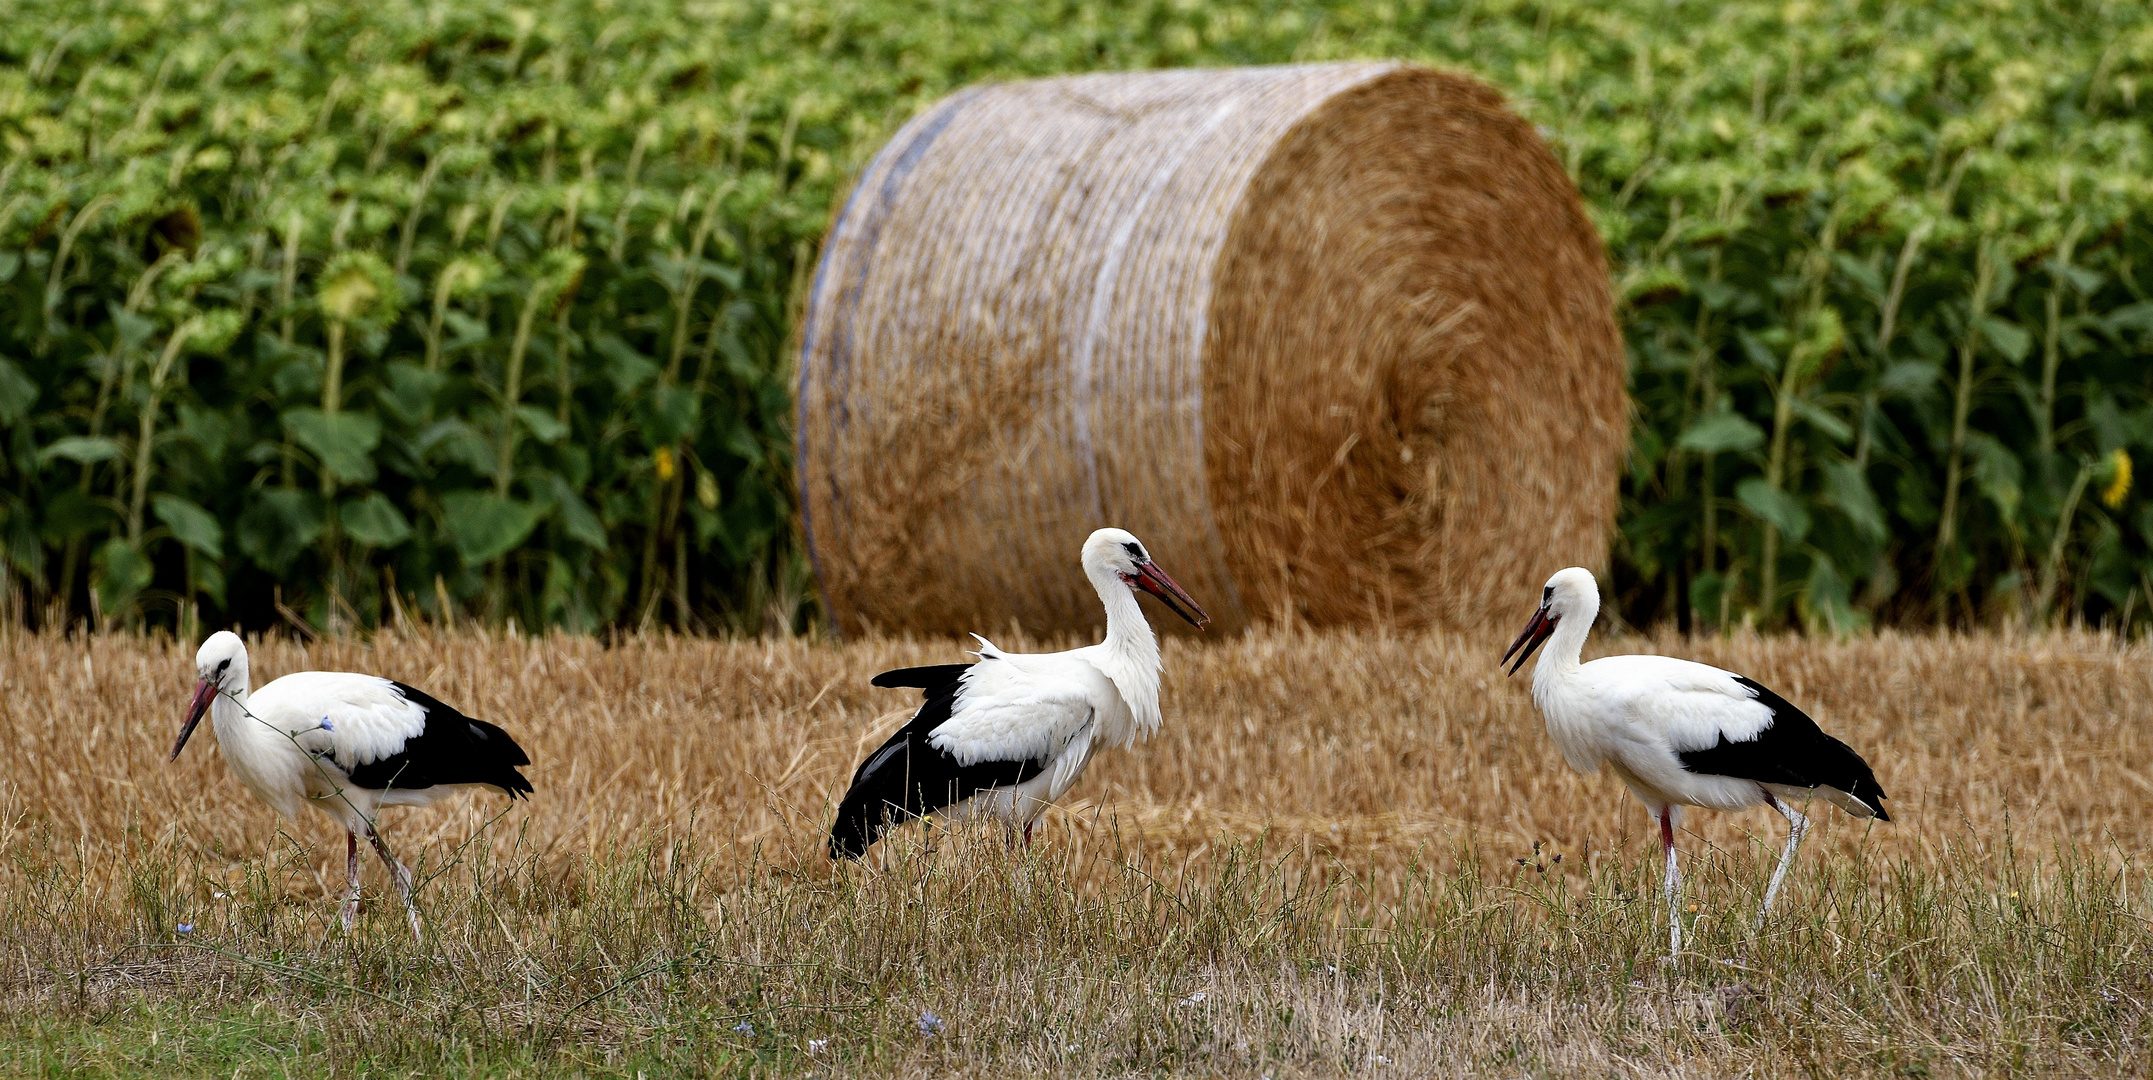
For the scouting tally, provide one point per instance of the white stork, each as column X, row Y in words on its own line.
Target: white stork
column 1681, row 733
column 346, row 744
column 1005, row 737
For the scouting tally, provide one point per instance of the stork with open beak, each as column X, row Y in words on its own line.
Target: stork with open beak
column 1005, row 737
column 1681, row 733
column 346, row 745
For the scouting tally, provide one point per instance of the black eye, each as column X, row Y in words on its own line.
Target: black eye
column 1547, row 594
column 1136, row 551
column 227, row 663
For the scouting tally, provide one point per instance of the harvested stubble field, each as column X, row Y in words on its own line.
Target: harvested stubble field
column 1314, row 870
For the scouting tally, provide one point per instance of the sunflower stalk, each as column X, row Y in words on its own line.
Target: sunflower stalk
column 146, row 438
column 1805, row 354
column 2052, row 338
column 2052, row 564
column 1977, row 305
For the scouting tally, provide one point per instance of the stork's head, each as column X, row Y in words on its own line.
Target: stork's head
column 220, row 665
column 1116, row 552
column 1570, row 594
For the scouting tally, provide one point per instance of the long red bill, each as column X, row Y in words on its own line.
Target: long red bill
column 1535, row 633
column 205, row 692
column 1153, row 580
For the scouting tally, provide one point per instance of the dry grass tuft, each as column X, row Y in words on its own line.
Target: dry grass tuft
column 1313, row 870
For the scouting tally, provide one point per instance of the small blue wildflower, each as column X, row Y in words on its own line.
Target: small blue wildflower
column 930, row 1024
column 185, row 928
column 744, row 1028
column 326, row 725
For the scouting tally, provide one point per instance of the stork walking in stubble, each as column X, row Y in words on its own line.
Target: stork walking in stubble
column 1005, row 737
column 1681, row 733
column 347, row 745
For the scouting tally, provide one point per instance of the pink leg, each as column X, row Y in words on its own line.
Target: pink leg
column 1797, row 824
column 398, row 873
column 1674, row 882
column 1028, row 833
column 351, row 874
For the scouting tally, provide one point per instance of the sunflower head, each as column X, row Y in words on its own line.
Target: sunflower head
column 2119, row 479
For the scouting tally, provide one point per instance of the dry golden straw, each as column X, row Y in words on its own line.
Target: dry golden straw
column 1336, row 340
column 1375, row 748
column 1324, row 841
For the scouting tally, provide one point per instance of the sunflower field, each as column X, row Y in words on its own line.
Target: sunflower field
column 312, row 311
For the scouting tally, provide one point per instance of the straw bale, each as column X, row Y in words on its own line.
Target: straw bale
column 1335, row 339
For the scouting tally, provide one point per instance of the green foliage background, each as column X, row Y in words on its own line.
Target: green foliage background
column 486, row 305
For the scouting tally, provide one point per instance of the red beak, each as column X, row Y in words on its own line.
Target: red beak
column 1536, row 632
column 205, row 692
column 1153, row 580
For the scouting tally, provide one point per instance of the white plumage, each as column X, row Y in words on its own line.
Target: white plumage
column 290, row 741
column 1680, row 733
column 347, row 745
column 1008, row 736
column 1051, row 707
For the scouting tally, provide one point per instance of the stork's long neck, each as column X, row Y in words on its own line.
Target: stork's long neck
column 227, row 711
column 1130, row 653
column 1565, row 647
column 262, row 757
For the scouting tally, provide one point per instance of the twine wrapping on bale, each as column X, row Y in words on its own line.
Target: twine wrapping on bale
column 1336, row 340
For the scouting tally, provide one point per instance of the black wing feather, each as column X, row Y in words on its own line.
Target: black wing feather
column 451, row 749
column 925, row 678
column 906, row 777
column 1793, row 751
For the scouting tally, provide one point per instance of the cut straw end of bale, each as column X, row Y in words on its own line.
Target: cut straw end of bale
column 1336, row 340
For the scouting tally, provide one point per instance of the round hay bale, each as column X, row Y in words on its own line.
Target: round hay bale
column 1336, row 340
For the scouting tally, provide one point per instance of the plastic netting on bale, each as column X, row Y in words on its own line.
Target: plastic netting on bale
column 1336, row 340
